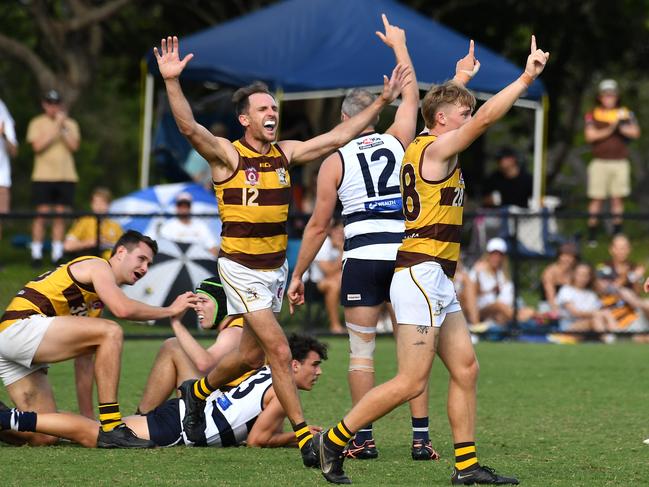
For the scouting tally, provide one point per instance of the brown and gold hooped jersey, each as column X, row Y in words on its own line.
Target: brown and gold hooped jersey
column 55, row 293
column 433, row 212
column 253, row 206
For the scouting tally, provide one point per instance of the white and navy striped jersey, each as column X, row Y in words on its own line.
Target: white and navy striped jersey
column 229, row 416
column 370, row 196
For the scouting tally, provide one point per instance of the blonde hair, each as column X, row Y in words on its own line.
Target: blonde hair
column 103, row 193
column 449, row 93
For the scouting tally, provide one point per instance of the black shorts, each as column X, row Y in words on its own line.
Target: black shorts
column 366, row 282
column 53, row 193
column 165, row 428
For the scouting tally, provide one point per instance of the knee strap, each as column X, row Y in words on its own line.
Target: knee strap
column 362, row 342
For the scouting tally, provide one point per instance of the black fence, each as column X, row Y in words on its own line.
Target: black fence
column 533, row 239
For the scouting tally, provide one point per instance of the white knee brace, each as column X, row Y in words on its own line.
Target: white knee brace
column 362, row 342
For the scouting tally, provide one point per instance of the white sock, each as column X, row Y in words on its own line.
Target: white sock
column 37, row 250
column 57, row 250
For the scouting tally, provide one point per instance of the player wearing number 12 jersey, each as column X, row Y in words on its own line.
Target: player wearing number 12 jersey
column 429, row 317
column 250, row 412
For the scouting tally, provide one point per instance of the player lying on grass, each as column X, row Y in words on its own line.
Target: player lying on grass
column 250, row 412
column 182, row 358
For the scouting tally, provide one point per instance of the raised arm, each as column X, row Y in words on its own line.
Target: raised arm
column 315, row 232
column 455, row 141
column 405, row 120
column 300, row 152
column 467, row 67
column 121, row 305
column 217, row 151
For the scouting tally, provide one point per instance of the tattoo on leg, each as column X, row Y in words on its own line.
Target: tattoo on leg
column 423, row 329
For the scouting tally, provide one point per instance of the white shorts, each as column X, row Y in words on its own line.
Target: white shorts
column 250, row 290
column 18, row 344
column 5, row 173
column 423, row 295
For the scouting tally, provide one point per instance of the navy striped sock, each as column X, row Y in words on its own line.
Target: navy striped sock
column 420, row 429
column 14, row 419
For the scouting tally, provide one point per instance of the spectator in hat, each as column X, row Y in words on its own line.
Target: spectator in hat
column 510, row 184
column 54, row 137
column 8, row 149
column 608, row 129
column 184, row 228
column 493, row 287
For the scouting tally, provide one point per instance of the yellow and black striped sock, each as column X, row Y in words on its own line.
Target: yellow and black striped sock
column 202, row 389
column 302, row 433
column 465, row 456
column 337, row 437
column 109, row 415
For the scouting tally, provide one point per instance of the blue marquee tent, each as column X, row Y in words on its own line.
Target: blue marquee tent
column 319, row 45
column 318, row 48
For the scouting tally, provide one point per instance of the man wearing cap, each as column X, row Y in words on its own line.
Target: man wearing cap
column 185, row 229
column 608, row 129
column 54, row 137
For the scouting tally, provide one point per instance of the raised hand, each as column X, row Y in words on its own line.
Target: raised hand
column 393, row 35
column 183, row 302
column 401, row 77
column 536, row 60
column 168, row 58
column 468, row 66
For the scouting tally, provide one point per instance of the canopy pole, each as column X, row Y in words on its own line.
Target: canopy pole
column 147, row 121
column 540, row 116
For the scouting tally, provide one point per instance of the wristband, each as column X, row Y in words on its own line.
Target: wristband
column 527, row 79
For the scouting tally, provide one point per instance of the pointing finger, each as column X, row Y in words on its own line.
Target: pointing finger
column 471, row 47
column 533, row 45
column 386, row 24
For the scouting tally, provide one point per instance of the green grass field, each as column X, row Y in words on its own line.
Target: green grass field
column 552, row 415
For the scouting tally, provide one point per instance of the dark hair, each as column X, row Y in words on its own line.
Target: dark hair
column 301, row 345
column 506, row 151
column 130, row 240
column 240, row 98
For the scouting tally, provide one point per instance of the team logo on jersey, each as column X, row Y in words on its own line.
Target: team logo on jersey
column 281, row 175
column 97, row 305
column 386, row 205
column 461, row 179
column 369, row 141
column 251, row 294
column 252, row 176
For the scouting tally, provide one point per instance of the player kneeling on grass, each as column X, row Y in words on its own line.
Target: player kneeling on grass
column 55, row 317
column 250, row 412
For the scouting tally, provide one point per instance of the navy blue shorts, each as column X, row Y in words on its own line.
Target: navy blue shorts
column 366, row 282
column 164, row 424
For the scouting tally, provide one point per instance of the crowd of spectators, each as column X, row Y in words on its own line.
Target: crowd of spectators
column 577, row 295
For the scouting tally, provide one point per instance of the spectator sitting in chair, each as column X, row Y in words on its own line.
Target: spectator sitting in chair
column 580, row 307
column 326, row 273
column 81, row 239
column 510, row 184
column 185, row 229
column 558, row 274
column 631, row 312
column 492, row 287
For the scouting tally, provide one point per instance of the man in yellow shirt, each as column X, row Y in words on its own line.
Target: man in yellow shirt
column 81, row 239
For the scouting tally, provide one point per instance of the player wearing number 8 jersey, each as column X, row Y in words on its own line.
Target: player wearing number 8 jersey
column 428, row 313
column 255, row 183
